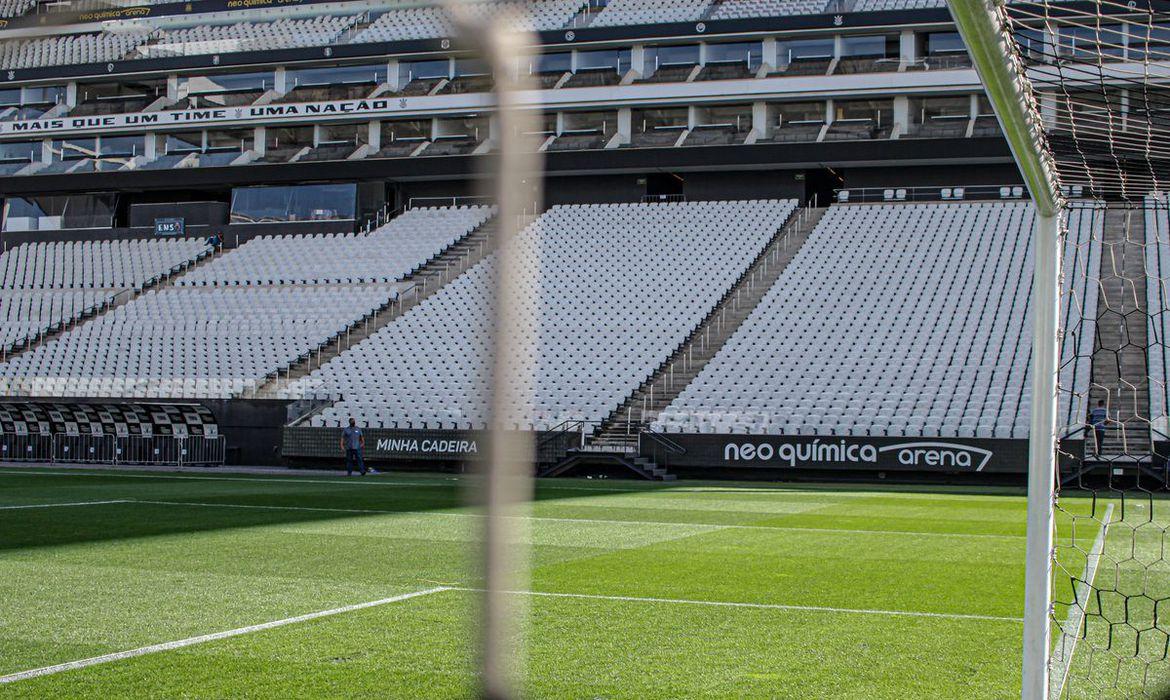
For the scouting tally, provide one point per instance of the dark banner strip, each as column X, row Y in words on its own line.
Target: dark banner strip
column 919, row 454
column 386, row 445
column 909, row 454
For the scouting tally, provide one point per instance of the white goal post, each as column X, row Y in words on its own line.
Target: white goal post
column 985, row 31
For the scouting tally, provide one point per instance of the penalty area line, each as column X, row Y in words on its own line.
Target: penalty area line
column 757, row 606
column 191, row 641
column 74, row 504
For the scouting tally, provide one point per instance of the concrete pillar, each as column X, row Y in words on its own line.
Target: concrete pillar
column 638, row 59
column 374, row 137
column 770, row 57
column 154, row 144
column 625, row 119
column 901, row 113
column 260, row 140
column 281, row 81
column 71, row 94
column 1048, row 109
column 392, row 77
column 907, row 47
column 761, row 121
column 560, row 123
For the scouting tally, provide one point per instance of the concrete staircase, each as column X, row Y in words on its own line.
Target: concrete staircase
column 622, row 427
column 1120, row 370
column 121, row 298
column 414, row 289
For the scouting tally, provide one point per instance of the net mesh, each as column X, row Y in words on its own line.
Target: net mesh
column 1098, row 74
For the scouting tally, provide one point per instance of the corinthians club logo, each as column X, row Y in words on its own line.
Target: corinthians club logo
column 920, row 455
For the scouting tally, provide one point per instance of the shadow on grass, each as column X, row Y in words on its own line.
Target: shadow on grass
column 284, row 499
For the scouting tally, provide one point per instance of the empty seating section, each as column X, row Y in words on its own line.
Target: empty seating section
column 1158, row 310
column 73, row 49
column 250, row 36
column 224, row 327
column 434, row 22
column 386, row 255
column 903, row 319
column 739, row 9
column 196, row 343
column 618, row 13
column 883, row 5
column 616, row 289
column 45, row 285
column 95, row 264
column 15, row 8
column 26, row 314
column 1081, row 274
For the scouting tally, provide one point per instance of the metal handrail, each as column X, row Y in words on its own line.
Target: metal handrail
column 661, row 439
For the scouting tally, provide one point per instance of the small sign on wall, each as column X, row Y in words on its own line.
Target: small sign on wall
column 169, row 227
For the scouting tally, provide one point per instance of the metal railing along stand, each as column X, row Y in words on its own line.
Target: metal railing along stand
column 158, row 450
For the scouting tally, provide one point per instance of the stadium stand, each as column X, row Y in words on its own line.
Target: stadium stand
column 227, row 325
column 70, row 50
column 26, row 314
column 386, row 255
column 433, row 22
column 1157, row 260
column 894, row 319
column 887, row 5
column 739, row 9
column 618, row 13
column 192, row 343
column 618, row 289
column 249, row 36
column 46, row 285
column 15, row 8
column 122, row 264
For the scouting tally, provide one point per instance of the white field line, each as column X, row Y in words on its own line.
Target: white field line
column 592, row 521
column 63, row 505
column 1066, row 646
column 191, row 641
column 758, row 606
column 11, row 469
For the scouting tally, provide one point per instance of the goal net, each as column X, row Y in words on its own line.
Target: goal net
column 1084, row 101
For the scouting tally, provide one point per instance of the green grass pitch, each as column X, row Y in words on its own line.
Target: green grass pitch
column 850, row 592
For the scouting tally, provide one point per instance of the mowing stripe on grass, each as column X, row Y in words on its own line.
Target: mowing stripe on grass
column 759, row 606
column 593, row 521
column 191, row 641
column 1066, row 646
column 63, row 505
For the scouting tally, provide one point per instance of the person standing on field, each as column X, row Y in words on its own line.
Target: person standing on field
column 353, row 442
